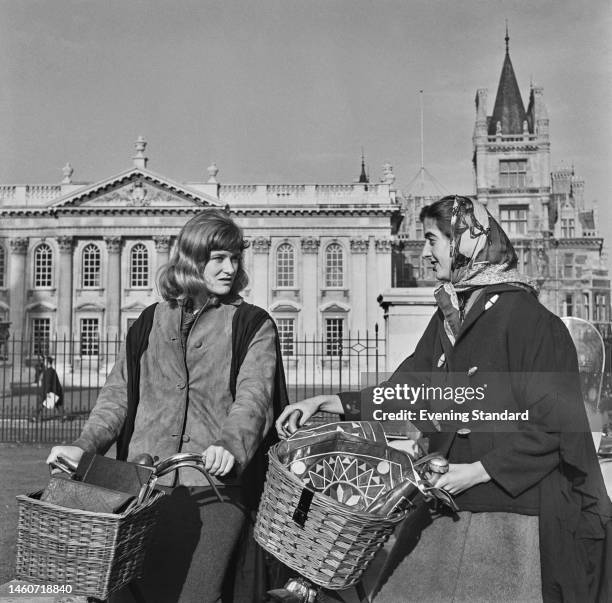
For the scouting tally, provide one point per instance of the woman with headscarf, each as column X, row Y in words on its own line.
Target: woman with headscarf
column 534, row 511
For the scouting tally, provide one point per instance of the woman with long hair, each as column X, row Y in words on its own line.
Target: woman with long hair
column 209, row 380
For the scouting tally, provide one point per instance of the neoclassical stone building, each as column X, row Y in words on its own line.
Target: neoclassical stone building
column 78, row 260
column 543, row 210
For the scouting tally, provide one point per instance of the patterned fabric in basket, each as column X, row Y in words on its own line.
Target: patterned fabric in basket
column 337, row 540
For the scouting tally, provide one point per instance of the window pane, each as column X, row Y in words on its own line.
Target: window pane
column 139, row 266
column 333, row 336
column 513, row 174
column 513, row 219
column 285, row 266
column 91, row 266
column 286, row 335
column 43, row 266
column 2, row 267
column 334, row 268
column 89, row 337
column 41, row 334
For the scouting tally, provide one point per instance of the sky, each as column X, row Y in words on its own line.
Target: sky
column 292, row 90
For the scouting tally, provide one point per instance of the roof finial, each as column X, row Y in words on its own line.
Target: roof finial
column 507, row 38
column 363, row 176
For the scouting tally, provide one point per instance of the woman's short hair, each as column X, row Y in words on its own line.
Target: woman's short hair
column 210, row 230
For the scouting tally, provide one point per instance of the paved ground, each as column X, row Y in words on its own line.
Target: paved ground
column 23, row 470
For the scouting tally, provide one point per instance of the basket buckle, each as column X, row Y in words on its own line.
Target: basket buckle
column 301, row 512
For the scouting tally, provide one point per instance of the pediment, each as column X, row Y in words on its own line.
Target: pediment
column 90, row 306
column 335, row 307
column 136, row 188
column 40, row 306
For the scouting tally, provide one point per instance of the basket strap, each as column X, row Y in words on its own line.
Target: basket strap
column 301, row 512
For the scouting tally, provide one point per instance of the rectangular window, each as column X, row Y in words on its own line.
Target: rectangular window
column 586, row 306
column 41, row 334
column 43, row 266
column 90, row 338
column 286, row 335
column 600, row 308
column 567, row 228
column 568, row 265
column 334, row 329
column 512, row 174
column 2, row 266
column 139, row 268
column 568, row 305
column 285, row 266
column 513, row 219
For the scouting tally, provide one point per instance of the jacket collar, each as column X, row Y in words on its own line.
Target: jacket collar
column 481, row 305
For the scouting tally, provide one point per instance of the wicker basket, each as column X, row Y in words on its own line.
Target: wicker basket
column 94, row 553
column 335, row 543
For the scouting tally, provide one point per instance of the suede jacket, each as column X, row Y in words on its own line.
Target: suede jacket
column 185, row 400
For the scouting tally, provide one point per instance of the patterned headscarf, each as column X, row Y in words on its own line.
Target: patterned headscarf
column 481, row 254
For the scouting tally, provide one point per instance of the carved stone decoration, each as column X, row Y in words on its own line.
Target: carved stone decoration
column 65, row 244
column 260, row 244
column 310, row 244
column 388, row 175
column 113, row 244
column 213, row 170
column 541, row 263
column 137, row 195
column 162, row 243
column 139, row 159
column 67, row 172
column 359, row 245
column 383, row 245
column 19, row 246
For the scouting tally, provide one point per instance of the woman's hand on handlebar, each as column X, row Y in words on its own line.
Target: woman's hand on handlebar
column 72, row 454
column 461, row 476
column 218, row 461
column 293, row 416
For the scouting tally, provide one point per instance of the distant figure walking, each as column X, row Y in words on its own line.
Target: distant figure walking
column 52, row 394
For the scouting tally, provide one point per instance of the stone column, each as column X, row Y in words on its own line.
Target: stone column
column 383, row 267
column 407, row 314
column 113, row 287
column 17, row 285
column 359, row 286
column 162, row 247
column 64, row 289
column 260, row 282
column 310, row 285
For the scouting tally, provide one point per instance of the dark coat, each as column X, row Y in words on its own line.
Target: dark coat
column 51, row 384
column 523, row 355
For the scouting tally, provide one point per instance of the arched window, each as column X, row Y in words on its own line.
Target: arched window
column 90, row 271
column 2, row 267
column 139, row 266
column 334, row 266
column 285, row 266
column 43, row 266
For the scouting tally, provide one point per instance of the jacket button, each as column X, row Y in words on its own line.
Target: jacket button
column 180, row 386
column 464, row 432
column 185, row 438
column 198, row 345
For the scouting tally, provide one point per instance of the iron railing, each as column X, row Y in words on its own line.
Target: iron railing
column 312, row 366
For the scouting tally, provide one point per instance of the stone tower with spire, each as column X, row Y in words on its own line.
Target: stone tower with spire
column 552, row 228
column 512, row 154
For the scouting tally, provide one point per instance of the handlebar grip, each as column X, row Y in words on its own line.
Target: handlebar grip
column 174, row 462
column 64, row 465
